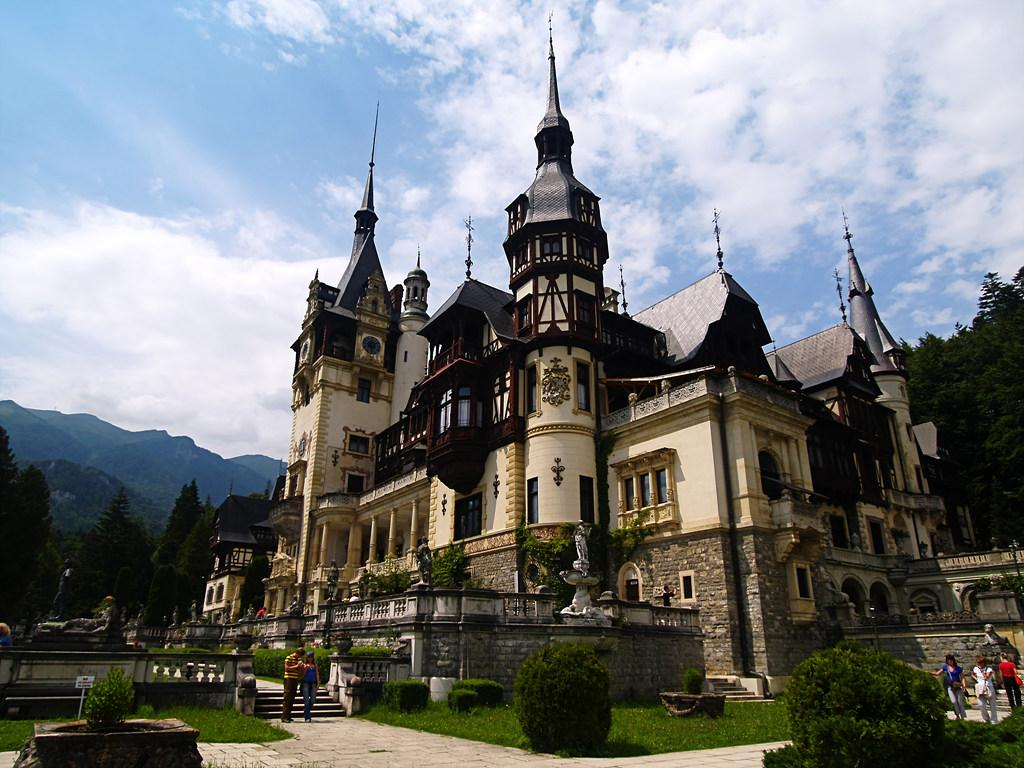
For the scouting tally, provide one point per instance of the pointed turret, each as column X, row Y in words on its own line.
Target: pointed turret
column 865, row 318
column 554, row 137
column 366, row 217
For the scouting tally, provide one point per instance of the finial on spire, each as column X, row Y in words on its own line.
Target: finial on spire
column 417, row 255
column 622, row 291
column 469, row 247
column 316, row 276
column 551, row 38
column 839, row 289
column 718, row 241
column 848, row 237
column 373, row 146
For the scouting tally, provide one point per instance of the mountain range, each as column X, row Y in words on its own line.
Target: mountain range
column 86, row 460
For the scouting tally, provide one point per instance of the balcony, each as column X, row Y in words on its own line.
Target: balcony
column 330, row 501
column 457, row 457
column 286, row 517
column 796, row 509
column 456, row 353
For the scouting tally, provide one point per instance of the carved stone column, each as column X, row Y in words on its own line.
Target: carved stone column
column 392, row 530
column 372, row 557
column 414, row 529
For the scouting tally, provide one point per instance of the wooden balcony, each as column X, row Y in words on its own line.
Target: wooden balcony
column 457, row 353
column 457, row 457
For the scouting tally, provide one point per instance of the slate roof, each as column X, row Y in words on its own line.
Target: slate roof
column 553, row 194
column 865, row 318
column 490, row 301
column 237, row 514
column 820, row 358
column 684, row 316
column 927, row 436
column 363, row 264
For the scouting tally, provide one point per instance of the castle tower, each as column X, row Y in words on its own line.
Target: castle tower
column 889, row 370
column 556, row 249
column 411, row 354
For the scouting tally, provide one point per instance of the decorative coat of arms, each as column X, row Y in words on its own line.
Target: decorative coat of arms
column 554, row 384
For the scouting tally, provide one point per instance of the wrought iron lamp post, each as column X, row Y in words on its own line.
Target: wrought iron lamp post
column 874, row 622
column 1014, row 548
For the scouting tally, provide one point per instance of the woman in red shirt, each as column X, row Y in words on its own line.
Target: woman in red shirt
column 1011, row 683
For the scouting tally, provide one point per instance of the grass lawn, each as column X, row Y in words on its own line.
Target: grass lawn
column 637, row 729
column 215, row 725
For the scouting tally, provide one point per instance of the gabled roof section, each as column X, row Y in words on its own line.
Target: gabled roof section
column 821, row 358
column 493, row 303
column 237, row 514
column 684, row 317
column 361, row 267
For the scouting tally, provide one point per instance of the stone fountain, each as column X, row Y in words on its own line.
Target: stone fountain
column 580, row 611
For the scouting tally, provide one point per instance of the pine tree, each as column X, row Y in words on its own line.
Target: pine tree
column 162, row 597
column 194, row 560
column 24, row 530
column 251, row 593
column 187, row 510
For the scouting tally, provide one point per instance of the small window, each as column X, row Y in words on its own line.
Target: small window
column 771, row 482
column 363, row 390
column 354, row 483
column 627, row 492
column 838, row 527
column 220, row 592
column 661, row 485
column 586, row 499
column 531, row 389
column 532, row 501
column 523, row 315
column 645, row 490
column 405, row 356
column 686, row 585
column 584, row 311
column 551, row 247
column 464, row 409
column 468, row 517
column 358, row 444
column 877, row 536
column 803, row 582
column 293, row 485
column 583, row 386
column 444, row 412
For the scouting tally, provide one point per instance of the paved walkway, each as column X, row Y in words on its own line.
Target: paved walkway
column 355, row 743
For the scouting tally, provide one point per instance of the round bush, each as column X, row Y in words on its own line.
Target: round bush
column 462, row 699
column 109, row 701
column 693, row 681
column 852, row 706
column 406, row 695
column 490, row 693
column 561, row 699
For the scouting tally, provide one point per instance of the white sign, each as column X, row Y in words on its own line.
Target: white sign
column 85, row 681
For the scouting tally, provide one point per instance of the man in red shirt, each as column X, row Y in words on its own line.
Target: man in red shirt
column 1011, row 682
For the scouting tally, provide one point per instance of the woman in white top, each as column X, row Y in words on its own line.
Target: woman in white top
column 985, row 690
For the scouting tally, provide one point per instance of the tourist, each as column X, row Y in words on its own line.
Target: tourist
column 293, row 669
column 667, row 593
column 953, row 682
column 985, row 690
column 5, row 636
column 261, row 613
column 310, row 684
column 1011, row 680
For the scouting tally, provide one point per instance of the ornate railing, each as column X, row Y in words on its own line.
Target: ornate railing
column 917, row 619
column 527, row 607
column 968, row 562
column 190, row 668
column 329, row 500
column 640, row 409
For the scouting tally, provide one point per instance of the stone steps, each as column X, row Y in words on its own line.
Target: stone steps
column 269, row 703
column 733, row 691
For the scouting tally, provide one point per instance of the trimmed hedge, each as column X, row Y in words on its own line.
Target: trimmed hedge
column 406, row 695
column 462, row 699
column 371, row 651
column 269, row 662
column 562, row 700
column 853, row 706
column 490, row 693
column 693, row 681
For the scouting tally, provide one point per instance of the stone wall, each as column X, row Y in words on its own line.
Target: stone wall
column 926, row 647
column 494, row 569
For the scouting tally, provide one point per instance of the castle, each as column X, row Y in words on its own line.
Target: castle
column 772, row 492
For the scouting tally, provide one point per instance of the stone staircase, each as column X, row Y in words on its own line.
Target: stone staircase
column 270, row 700
column 733, row 691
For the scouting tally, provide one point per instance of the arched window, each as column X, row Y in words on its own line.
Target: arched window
column 771, row 480
column 444, row 412
column 220, row 592
column 880, row 599
column 630, row 583
column 855, row 593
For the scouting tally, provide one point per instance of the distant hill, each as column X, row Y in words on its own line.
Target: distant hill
column 83, row 455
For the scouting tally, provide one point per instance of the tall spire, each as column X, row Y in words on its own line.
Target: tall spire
column 554, row 138
column 365, row 216
column 622, row 292
column 864, row 315
column 839, row 291
column 469, row 246
column 718, row 242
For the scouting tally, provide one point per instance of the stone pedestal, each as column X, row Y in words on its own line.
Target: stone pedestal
column 133, row 744
column 580, row 611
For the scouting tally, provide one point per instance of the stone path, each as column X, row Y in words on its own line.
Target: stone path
column 354, row 743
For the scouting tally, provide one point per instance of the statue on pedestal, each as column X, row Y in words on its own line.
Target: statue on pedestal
column 57, row 611
column 424, row 561
column 332, row 581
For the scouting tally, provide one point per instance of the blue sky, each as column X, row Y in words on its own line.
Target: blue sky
column 172, row 175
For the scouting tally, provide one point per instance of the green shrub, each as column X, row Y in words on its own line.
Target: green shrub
column 269, row 662
column 490, row 693
column 851, row 706
column 390, row 581
column 693, row 681
column 406, row 695
column 561, row 698
column 787, row 757
column 110, row 700
column 450, row 568
column 462, row 699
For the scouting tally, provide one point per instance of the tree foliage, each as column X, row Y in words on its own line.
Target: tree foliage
column 250, row 595
column 972, row 386
column 24, row 530
column 188, row 509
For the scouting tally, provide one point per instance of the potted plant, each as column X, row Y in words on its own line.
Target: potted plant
column 105, row 738
column 692, row 700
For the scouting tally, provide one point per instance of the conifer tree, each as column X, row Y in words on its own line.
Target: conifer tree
column 187, row 510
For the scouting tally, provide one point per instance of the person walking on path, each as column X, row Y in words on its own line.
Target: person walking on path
column 293, row 669
column 1011, row 680
column 953, row 681
column 985, row 690
column 310, row 685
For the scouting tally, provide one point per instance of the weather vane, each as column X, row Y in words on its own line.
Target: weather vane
column 718, row 240
column 839, row 289
column 469, row 246
column 622, row 287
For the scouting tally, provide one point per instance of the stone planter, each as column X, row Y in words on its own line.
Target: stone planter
column 133, row 744
column 680, row 704
column 243, row 642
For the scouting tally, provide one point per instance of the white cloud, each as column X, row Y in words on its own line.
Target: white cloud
column 150, row 322
column 299, row 20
